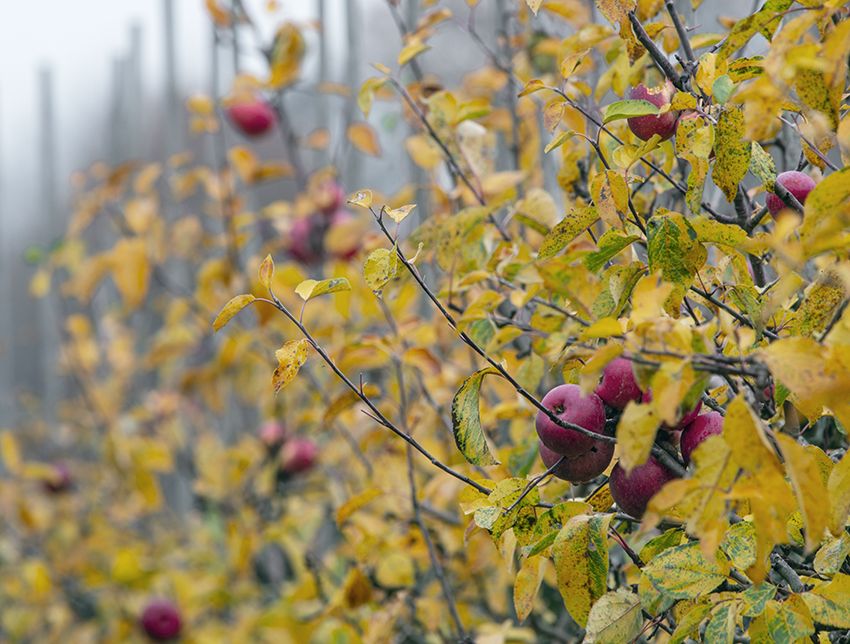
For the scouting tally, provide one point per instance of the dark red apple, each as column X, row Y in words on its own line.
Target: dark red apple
column 567, row 403
column 797, row 183
column 618, row 384
column 582, row 469
column 59, row 479
column 161, row 620
column 686, row 419
column 298, row 455
column 644, row 127
column 253, row 118
column 631, row 493
column 704, row 425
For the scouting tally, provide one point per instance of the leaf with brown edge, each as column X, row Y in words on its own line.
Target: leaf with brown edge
column 291, row 356
column 733, row 152
column 466, row 420
column 580, row 552
column 266, row 272
column 232, row 308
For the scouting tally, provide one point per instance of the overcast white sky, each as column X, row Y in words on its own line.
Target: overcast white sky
column 79, row 41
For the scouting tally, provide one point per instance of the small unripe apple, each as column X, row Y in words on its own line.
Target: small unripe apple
column 582, row 469
column 161, row 620
column 253, row 118
column 59, row 479
column 704, row 425
column 305, row 239
column 686, row 419
column 567, row 403
column 298, row 455
column 797, row 183
column 644, row 127
column 272, row 435
column 618, row 384
column 631, row 493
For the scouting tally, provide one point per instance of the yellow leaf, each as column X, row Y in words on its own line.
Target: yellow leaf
column 364, row 139
column 40, row 283
column 559, row 140
column 351, row 506
column 808, row 488
column 398, row 214
column 367, row 92
column 534, row 85
column 266, row 272
column 308, row 289
column 410, row 52
column 318, row 139
column 684, row 572
column 615, row 618
column 128, row 261
column 232, row 308
column 636, row 433
column 733, row 152
column 200, row 104
column 604, row 328
column 291, row 357
column 244, row 161
column 363, row 198
column 611, row 195
column 10, row 450
column 528, row 581
column 395, row 570
column 381, row 266
column 838, row 489
column 534, row 5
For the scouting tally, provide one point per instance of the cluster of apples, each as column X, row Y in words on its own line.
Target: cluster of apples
column 587, row 458
column 294, row 454
column 797, row 183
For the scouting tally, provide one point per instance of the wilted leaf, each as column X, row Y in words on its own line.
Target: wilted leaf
column 290, row 357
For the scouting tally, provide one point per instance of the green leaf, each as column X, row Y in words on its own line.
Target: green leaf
column 381, row 266
column 788, row 621
column 675, row 250
column 755, row 599
column 581, row 562
column 308, row 289
column 733, row 153
column 290, row 357
column 763, row 167
column 830, row 603
column 831, row 556
column 684, row 572
column 466, row 420
column 628, row 109
column 670, row 539
column 610, row 245
column 615, row 619
column 722, row 89
column 573, row 224
column 230, row 309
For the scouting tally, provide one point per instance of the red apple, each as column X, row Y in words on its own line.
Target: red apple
column 298, row 455
column 797, row 183
column 567, row 403
column 631, row 493
column 582, row 469
column 644, row 127
column 618, row 384
column 161, row 620
column 686, row 419
column 253, row 118
column 705, row 425
column 305, row 239
column 59, row 480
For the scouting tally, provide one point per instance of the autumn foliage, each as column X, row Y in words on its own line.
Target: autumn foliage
column 322, row 418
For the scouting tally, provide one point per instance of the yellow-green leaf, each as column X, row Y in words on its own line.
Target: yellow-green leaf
column 308, row 289
column 763, row 167
column 788, row 621
column 615, row 619
column 580, row 552
column 466, row 420
column 838, row 489
column 684, row 572
column 381, row 266
column 232, row 308
column 831, row 556
column 291, row 356
column 574, row 223
column 559, row 140
column 628, row 109
column 675, row 250
column 830, row 603
column 410, row 52
column 689, row 623
column 733, row 152
column 454, row 231
column 528, row 581
column 808, row 488
column 754, row 599
column 267, row 272
column 610, row 195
